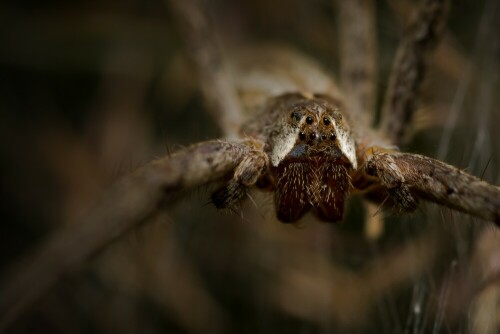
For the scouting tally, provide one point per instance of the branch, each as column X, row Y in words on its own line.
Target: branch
column 129, row 202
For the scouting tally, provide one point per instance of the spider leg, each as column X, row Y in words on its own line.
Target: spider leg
column 409, row 68
column 358, row 69
column 245, row 175
column 409, row 177
column 135, row 199
column 203, row 48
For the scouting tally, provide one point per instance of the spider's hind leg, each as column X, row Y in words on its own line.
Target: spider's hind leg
column 245, row 175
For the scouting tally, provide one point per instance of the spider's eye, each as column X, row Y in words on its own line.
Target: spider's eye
column 309, row 120
column 296, row 116
column 302, row 135
column 326, row 120
column 332, row 136
column 323, row 136
column 313, row 135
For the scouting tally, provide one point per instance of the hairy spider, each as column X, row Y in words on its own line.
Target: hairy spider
column 312, row 149
column 290, row 130
column 311, row 158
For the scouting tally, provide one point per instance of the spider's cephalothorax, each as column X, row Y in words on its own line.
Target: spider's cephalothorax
column 311, row 154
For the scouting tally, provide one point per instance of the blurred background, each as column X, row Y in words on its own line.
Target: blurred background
column 91, row 90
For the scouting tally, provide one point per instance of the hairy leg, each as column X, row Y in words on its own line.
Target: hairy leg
column 133, row 200
column 203, row 48
column 409, row 68
column 409, row 177
column 358, row 63
column 245, row 175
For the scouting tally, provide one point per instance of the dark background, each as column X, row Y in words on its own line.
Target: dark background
column 90, row 90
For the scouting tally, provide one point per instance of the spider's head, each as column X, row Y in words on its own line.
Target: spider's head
column 312, row 127
column 312, row 151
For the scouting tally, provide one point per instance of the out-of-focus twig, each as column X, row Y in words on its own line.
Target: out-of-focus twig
column 321, row 291
column 478, row 287
column 409, row 68
column 173, row 281
column 128, row 203
column 154, row 264
column 485, row 308
column 214, row 78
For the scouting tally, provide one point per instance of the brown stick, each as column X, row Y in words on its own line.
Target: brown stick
column 128, row 203
column 409, row 67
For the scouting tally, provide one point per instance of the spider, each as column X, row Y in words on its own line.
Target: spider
column 289, row 130
column 311, row 148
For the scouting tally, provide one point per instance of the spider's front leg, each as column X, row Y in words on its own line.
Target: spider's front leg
column 245, row 175
column 408, row 177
